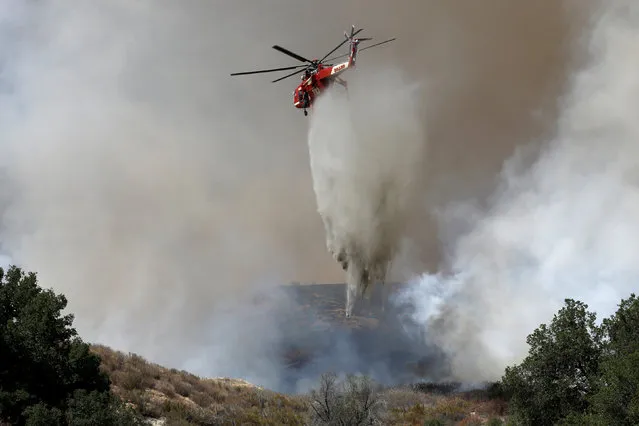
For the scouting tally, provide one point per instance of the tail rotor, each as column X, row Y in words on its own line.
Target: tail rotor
column 352, row 35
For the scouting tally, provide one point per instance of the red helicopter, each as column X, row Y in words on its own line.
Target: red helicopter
column 318, row 76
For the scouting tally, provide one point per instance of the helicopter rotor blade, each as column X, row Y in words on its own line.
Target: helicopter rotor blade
column 341, row 44
column 269, row 70
column 286, row 76
column 312, row 64
column 364, row 48
column 291, row 54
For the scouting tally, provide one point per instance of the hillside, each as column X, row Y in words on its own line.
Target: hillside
column 182, row 398
column 178, row 397
column 50, row 374
column 173, row 397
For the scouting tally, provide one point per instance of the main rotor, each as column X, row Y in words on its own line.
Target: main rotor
column 311, row 65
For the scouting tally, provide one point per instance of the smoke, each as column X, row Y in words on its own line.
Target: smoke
column 367, row 149
column 564, row 227
column 299, row 333
column 138, row 182
column 158, row 193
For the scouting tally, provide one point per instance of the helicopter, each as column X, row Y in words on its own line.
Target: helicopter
column 317, row 75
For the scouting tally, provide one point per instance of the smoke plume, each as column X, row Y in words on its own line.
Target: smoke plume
column 565, row 227
column 158, row 193
column 367, row 148
column 132, row 183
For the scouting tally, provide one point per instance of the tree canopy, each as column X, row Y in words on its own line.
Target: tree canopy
column 577, row 372
column 48, row 374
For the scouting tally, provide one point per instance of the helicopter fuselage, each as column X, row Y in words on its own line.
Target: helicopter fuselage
column 314, row 83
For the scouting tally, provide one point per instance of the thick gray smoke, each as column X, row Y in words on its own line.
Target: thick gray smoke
column 132, row 183
column 156, row 192
column 367, row 149
column 564, row 228
column 153, row 190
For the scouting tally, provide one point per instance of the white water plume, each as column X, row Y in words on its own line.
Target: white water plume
column 565, row 228
column 366, row 151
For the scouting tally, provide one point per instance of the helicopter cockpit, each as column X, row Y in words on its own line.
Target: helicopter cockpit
column 301, row 99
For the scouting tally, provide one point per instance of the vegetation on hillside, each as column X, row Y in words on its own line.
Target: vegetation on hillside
column 48, row 376
column 576, row 373
column 181, row 398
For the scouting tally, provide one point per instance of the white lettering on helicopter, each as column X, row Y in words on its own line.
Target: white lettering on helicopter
column 316, row 91
column 339, row 67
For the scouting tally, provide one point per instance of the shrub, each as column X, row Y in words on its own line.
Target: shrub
column 354, row 402
column 403, row 398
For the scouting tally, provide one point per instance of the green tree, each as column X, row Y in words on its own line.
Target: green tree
column 560, row 371
column 616, row 399
column 622, row 328
column 44, row 362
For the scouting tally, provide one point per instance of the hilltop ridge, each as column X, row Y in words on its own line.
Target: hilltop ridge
column 166, row 396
